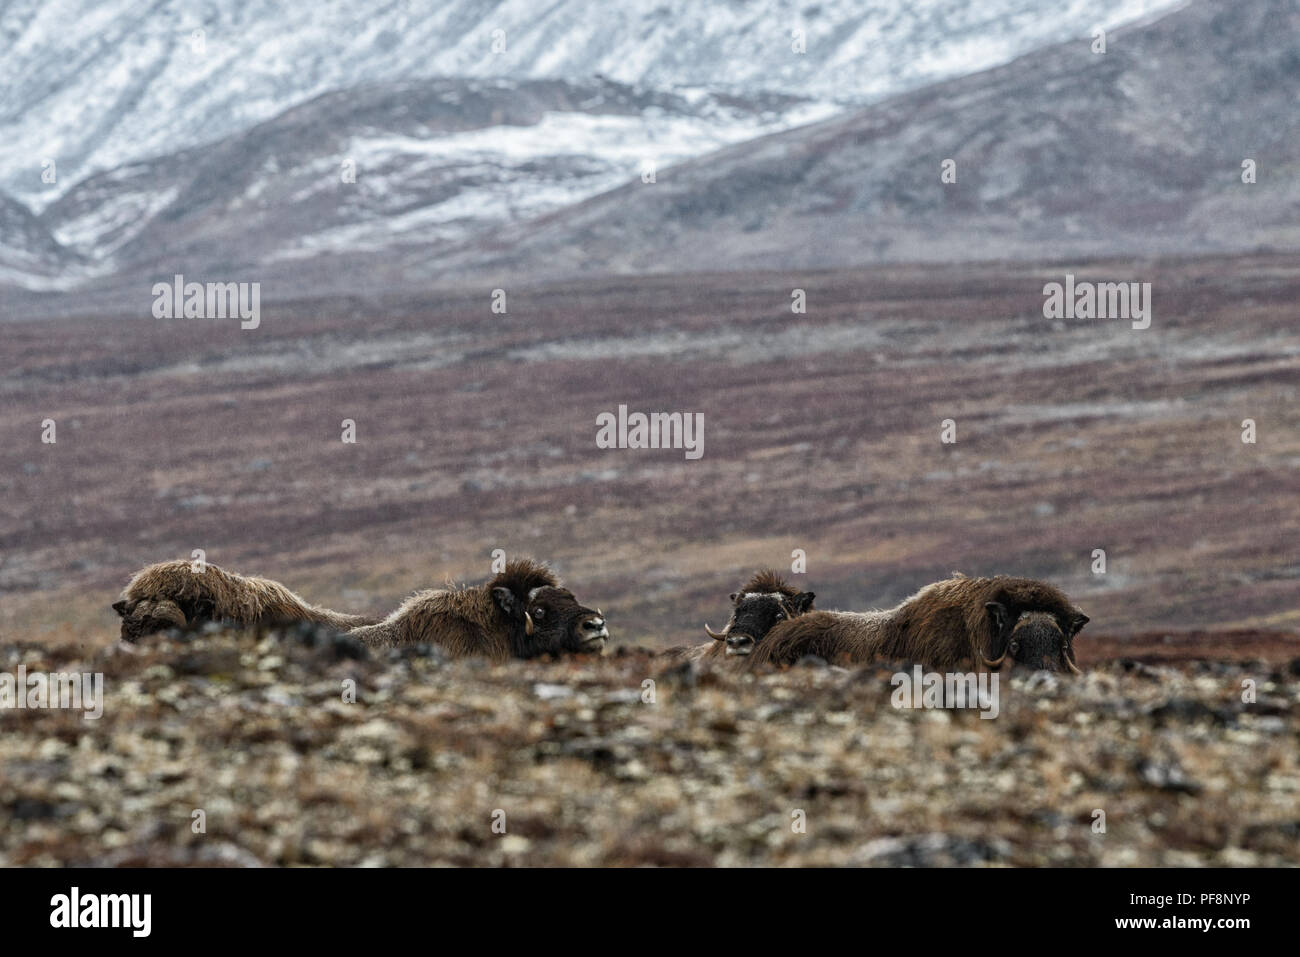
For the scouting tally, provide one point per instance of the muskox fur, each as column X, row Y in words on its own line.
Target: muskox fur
column 956, row 623
column 184, row 595
column 765, row 600
column 522, row 612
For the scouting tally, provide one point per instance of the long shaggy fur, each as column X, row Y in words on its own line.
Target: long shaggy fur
column 767, row 580
column 172, row 594
column 942, row 626
column 465, row 620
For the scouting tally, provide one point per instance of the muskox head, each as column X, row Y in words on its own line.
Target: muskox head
column 1035, row 639
column 552, row 622
column 753, row 615
column 146, row 616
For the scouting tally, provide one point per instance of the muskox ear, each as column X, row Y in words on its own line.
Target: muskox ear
column 802, row 601
column 122, row 607
column 508, row 602
column 998, row 612
column 1077, row 623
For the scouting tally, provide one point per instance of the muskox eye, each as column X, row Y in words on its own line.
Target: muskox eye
column 539, row 614
column 1015, row 646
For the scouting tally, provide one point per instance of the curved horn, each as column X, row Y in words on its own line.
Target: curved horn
column 717, row 635
column 996, row 663
column 528, row 624
column 1070, row 664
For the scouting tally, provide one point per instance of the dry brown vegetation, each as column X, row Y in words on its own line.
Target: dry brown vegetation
column 252, row 729
column 821, row 433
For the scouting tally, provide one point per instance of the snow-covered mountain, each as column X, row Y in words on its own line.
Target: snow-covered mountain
column 166, row 126
column 1181, row 139
column 94, row 84
column 428, row 163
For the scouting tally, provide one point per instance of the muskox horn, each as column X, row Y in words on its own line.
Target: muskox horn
column 716, row 635
column 993, row 665
column 528, row 624
column 1070, row 664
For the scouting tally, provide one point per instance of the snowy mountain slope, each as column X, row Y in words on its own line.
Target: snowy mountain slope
column 434, row 162
column 1061, row 153
column 27, row 249
column 95, row 84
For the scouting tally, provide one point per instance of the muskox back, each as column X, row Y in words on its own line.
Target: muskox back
column 522, row 612
column 177, row 594
column 957, row 622
column 462, row 621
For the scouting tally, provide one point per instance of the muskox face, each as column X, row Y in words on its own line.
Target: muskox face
column 147, row 616
column 553, row 623
column 753, row 615
column 560, row 624
column 1035, row 639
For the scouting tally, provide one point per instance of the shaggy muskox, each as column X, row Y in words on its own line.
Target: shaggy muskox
column 175, row 595
column 960, row 621
column 763, row 601
column 521, row 613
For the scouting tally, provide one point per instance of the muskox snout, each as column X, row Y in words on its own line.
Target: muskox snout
column 739, row 644
column 593, row 628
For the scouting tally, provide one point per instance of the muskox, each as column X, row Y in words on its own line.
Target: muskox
column 184, row 595
column 523, row 612
column 955, row 623
column 763, row 601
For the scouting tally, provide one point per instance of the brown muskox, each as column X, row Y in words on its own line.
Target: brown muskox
column 176, row 595
column 960, row 621
column 521, row 613
column 762, row 602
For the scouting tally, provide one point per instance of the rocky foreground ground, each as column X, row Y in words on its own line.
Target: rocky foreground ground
column 628, row 760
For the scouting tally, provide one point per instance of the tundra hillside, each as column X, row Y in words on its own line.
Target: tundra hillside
column 822, row 433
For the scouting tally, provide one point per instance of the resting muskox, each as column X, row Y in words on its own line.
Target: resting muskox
column 175, row 595
column 763, row 601
column 958, row 621
column 521, row 613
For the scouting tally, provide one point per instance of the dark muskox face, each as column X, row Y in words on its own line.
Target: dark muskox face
column 1034, row 639
column 148, row 616
column 561, row 624
column 554, row 623
column 754, row 614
